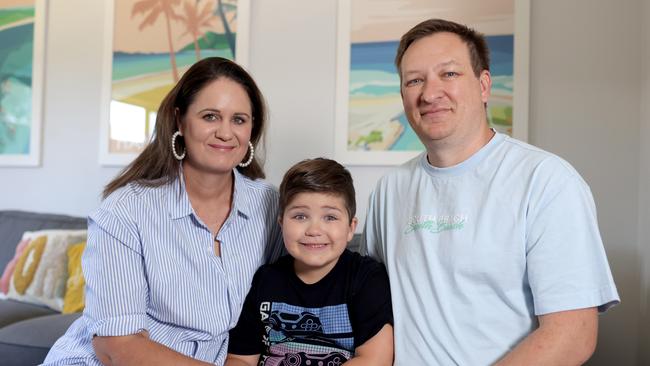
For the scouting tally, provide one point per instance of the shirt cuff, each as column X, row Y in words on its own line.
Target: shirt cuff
column 119, row 326
column 602, row 299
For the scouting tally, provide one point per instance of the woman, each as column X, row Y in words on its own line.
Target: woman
column 172, row 249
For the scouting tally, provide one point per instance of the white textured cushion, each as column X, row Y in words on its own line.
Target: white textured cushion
column 41, row 271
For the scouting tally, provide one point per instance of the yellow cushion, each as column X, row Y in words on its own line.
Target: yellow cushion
column 73, row 301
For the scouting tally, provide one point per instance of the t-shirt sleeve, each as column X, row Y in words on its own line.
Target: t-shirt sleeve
column 246, row 338
column 566, row 262
column 370, row 306
column 116, row 287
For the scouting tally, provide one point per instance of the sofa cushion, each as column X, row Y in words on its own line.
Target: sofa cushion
column 14, row 223
column 27, row 342
column 41, row 271
column 14, row 311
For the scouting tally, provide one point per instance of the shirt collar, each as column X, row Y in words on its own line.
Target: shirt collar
column 179, row 205
column 241, row 195
column 178, row 201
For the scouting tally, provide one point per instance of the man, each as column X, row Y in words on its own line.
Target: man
column 491, row 245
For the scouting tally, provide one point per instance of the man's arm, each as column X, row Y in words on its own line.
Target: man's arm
column 138, row 349
column 563, row 338
column 376, row 351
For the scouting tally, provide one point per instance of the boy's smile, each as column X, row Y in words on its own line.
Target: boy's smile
column 316, row 230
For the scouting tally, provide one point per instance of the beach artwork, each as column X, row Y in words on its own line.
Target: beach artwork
column 21, row 67
column 372, row 128
column 153, row 43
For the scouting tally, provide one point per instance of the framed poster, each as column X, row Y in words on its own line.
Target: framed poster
column 22, row 36
column 371, row 128
column 148, row 46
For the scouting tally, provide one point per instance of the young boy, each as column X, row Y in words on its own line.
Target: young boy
column 321, row 304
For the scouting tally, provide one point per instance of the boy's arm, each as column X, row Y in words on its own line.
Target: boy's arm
column 241, row 360
column 376, row 351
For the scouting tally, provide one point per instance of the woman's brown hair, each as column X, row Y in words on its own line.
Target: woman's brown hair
column 156, row 165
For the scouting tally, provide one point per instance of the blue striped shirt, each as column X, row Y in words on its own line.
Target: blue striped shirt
column 150, row 265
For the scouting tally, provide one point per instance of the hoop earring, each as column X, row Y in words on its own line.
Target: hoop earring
column 174, row 136
column 250, row 157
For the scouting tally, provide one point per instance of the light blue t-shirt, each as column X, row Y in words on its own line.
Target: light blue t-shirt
column 476, row 251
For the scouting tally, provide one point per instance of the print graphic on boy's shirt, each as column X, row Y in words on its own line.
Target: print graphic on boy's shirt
column 435, row 223
column 303, row 359
column 297, row 335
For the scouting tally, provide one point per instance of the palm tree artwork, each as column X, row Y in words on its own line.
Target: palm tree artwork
column 154, row 8
column 196, row 21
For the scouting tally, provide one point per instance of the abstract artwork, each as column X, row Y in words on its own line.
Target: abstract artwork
column 371, row 128
column 22, row 25
column 152, row 43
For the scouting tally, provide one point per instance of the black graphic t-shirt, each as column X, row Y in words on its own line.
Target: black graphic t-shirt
column 292, row 323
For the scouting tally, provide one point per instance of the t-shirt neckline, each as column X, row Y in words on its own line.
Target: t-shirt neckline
column 465, row 165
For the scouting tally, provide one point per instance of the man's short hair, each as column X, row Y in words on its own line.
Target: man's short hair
column 318, row 175
column 479, row 53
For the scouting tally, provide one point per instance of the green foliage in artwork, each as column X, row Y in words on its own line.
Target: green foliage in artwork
column 501, row 115
column 8, row 16
column 210, row 41
column 373, row 136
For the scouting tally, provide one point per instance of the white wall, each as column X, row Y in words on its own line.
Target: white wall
column 585, row 106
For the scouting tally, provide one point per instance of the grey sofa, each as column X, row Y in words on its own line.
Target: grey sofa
column 28, row 331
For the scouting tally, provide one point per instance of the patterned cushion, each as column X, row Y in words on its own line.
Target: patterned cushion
column 40, row 274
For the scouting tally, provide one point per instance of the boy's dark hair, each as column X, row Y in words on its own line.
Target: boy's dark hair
column 318, row 175
column 479, row 53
